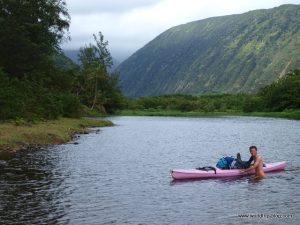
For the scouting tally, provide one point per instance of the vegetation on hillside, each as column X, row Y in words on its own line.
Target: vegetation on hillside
column 228, row 54
column 36, row 79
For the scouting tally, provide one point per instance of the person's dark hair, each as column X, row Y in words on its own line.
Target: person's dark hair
column 253, row 146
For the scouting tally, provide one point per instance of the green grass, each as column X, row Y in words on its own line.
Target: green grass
column 15, row 135
column 171, row 113
column 288, row 114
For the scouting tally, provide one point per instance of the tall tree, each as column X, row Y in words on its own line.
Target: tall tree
column 102, row 51
column 96, row 60
column 31, row 31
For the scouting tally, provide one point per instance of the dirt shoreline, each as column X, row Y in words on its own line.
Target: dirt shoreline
column 15, row 138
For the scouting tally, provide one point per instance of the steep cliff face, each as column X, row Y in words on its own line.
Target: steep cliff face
column 228, row 54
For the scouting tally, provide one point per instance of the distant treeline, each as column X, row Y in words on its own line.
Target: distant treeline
column 281, row 95
column 36, row 79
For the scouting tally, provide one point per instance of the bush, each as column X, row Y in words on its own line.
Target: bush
column 186, row 106
column 71, row 106
column 253, row 104
column 282, row 94
column 11, row 98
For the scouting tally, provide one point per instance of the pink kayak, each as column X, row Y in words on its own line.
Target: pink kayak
column 218, row 173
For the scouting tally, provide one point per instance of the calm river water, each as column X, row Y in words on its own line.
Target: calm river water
column 120, row 175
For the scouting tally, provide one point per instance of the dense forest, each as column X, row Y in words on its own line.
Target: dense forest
column 281, row 95
column 36, row 79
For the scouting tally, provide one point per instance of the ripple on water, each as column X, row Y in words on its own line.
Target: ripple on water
column 121, row 175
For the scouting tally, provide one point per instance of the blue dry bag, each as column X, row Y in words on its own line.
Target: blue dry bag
column 225, row 162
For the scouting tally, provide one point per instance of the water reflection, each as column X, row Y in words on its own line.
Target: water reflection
column 229, row 180
column 31, row 190
column 256, row 180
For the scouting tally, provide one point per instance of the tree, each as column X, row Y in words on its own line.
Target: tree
column 87, row 56
column 103, row 53
column 30, row 34
column 99, row 86
column 282, row 94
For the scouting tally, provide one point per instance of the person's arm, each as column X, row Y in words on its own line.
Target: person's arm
column 250, row 160
column 253, row 166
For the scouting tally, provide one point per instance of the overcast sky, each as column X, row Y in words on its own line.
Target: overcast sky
column 130, row 24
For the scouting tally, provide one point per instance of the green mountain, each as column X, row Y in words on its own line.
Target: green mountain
column 228, row 54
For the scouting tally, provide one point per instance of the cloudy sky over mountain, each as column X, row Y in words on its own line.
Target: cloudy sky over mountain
column 130, row 24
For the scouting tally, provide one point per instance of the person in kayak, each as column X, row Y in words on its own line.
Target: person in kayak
column 258, row 163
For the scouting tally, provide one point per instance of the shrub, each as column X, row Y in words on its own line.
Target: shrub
column 71, row 106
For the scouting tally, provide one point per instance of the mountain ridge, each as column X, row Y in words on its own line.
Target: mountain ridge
column 226, row 54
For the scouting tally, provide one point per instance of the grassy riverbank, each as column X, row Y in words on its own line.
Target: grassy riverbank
column 288, row 114
column 20, row 135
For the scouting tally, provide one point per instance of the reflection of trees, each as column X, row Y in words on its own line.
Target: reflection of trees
column 31, row 187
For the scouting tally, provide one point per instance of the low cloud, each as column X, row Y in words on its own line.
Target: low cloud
column 104, row 6
column 130, row 24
